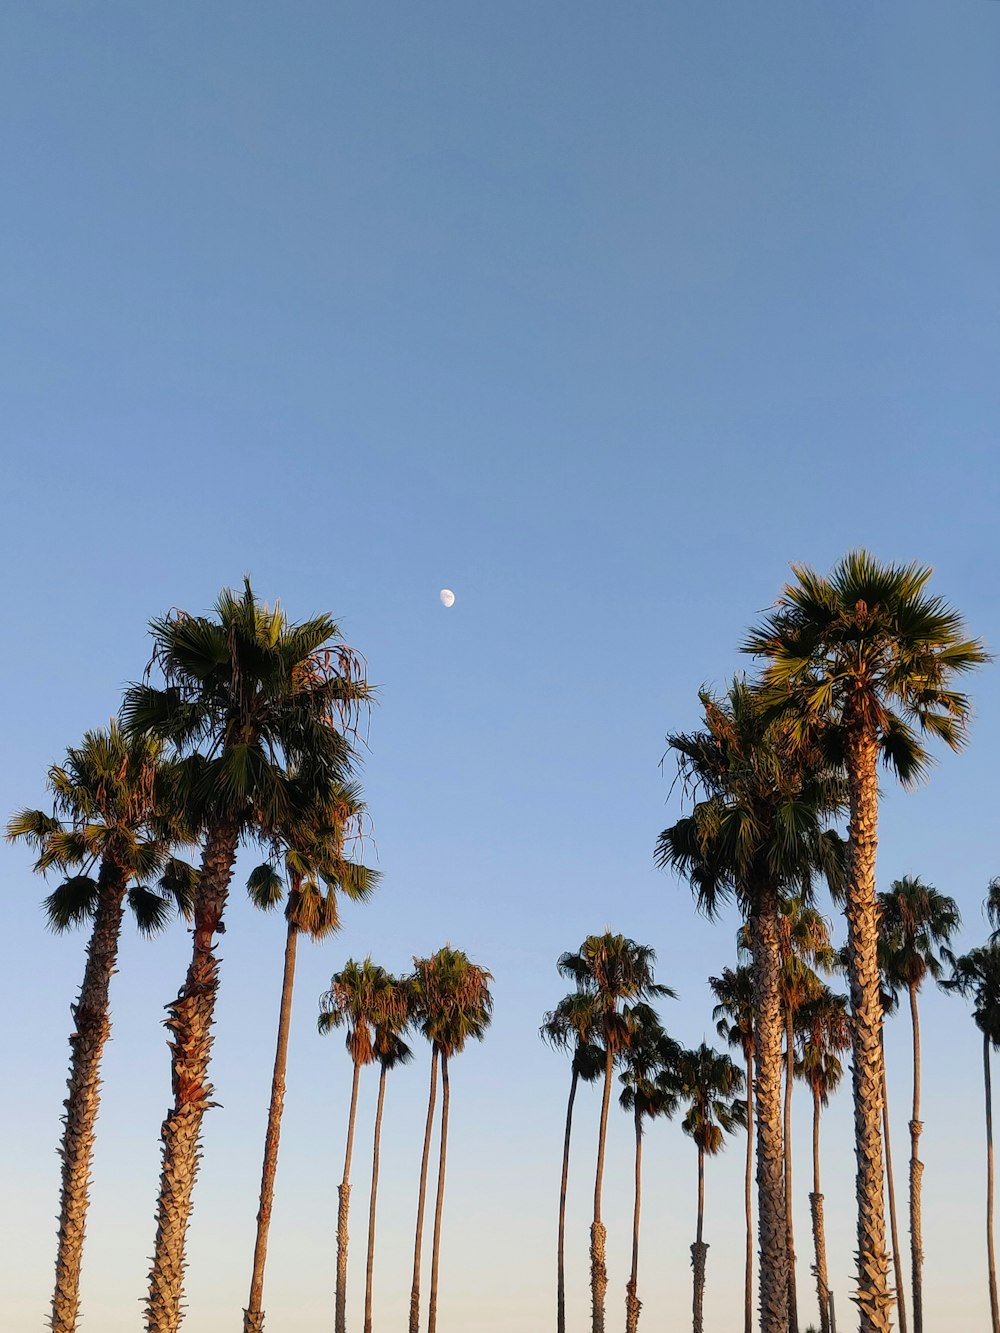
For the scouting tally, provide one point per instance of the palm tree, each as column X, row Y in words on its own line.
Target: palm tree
column 105, row 794
column 916, row 921
column 649, row 1052
column 977, row 974
column 890, row 1004
column 247, row 698
column 362, row 997
column 617, row 973
column 870, row 651
column 823, row 1029
column 756, row 833
column 710, row 1084
column 312, row 849
column 573, row 1021
column 733, row 1015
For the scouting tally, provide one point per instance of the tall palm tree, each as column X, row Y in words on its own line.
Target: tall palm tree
column 890, row 1003
column 246, row 699
column 868, row 650
column 571, row 1025
column 916, row 922
column 106, row 795
column 316, row 869
column 649, row 1052
column 977, row 975
column 762, row 795
column 618, row 973
column 822, row 1029
column 710, row 1084
column 733, row 1015
column 362, row 996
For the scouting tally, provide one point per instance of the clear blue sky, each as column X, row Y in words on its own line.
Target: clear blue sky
column 598, row 315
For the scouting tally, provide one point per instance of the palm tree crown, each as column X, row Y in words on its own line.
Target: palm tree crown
column 916, row 922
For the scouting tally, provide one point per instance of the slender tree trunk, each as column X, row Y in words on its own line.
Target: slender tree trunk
column 439, row 1202
column 748, row 1203
column 422, row 1197
column 370, row 1266
column 916, row 1177
column 991, row 1256
column 92, row 1027
column 773, row 1257
column 598, row 1234
column 793, row 1301
column 190, row 1022
column 632, row 1302
column 344, row 1192
column 819, row 1231
column 253, row 1315
column 873, row 1296
column 699, row 1253
column 890, row 1177
column 561, row 1247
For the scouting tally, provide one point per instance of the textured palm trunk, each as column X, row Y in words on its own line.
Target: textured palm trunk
column 439, row 1202
column 748, row 1203
column 92, row 1027
column 253, row 1315
column 991, row 1256
column 793, row 1301
column 632, row 1302
column 561, row 1246
column 190, row 1022
column 422, row 1198
column 344, row 1194
column 699, row 1253
column 773, row 1257
column 873, row 1296
column 819, row 1230
column 598, row 1235
column 890, row 1179
column 370, row 1266
column 916, row 1177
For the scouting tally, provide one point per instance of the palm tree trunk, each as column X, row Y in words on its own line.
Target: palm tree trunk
column 92, row 1027
column 598, row 1234
column 916, row 1176
column 421, row 1198
column 561, row 1247
column 991, row 1256
column 190, row 1022
column 873, row 1296
column 344, row 1193
column 699, row 1252
column 819, row 1231
column 370, row 1266
column 897, row 1258
column 793, row 1303
column 253, row 1315
column 748, row 1204
column 773, row 1257
column 439, row 1202
column 632, row 1302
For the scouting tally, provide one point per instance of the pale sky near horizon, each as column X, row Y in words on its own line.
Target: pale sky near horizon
column 599, row 316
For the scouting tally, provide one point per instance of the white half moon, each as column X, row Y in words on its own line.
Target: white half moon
column 447, row 597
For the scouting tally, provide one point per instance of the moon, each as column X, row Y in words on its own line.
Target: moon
column 447, row 597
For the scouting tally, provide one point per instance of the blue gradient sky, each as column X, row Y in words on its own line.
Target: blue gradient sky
column 598, row 315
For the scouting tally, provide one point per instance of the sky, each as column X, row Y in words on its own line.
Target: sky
column 600, row 316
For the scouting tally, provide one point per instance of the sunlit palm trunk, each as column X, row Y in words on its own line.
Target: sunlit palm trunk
column 773, row 1264
column 873, row 1297
column 897, row 1257
column 370, row 1266
column 793, row 1303
column 916, row 1176
column 92, row 1027
column 598, row 1235
column 439, row 1202
column 253, row 1315
column 699, row 1253
column 748, row 1205
column 344, row 1193
column 632, row 1303
column 421, row 1198
column 561, row 1247
column 819, row 1230
column 191, row 1017
column 991, row 1256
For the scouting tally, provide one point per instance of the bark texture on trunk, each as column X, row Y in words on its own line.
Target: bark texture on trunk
column 253, row 1315
column 699, row 1253
column 632, row 1303
column 819, row 1230
column 598, row 1234
column 793, row 1301
column 422, row 1198
column 916, row 1177
column 991, row 1256
column 897, row 1257
column 190, row 1022
column 773, row 1256
column 873, row 1296
column 748, row 1204
column 344, row 1205
column 92, row 1028
column 561, row 1246
column 370, row 1265
column 439, row 1202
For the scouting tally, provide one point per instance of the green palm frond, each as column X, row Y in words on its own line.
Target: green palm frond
column 71, row 903
column 150, row 910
